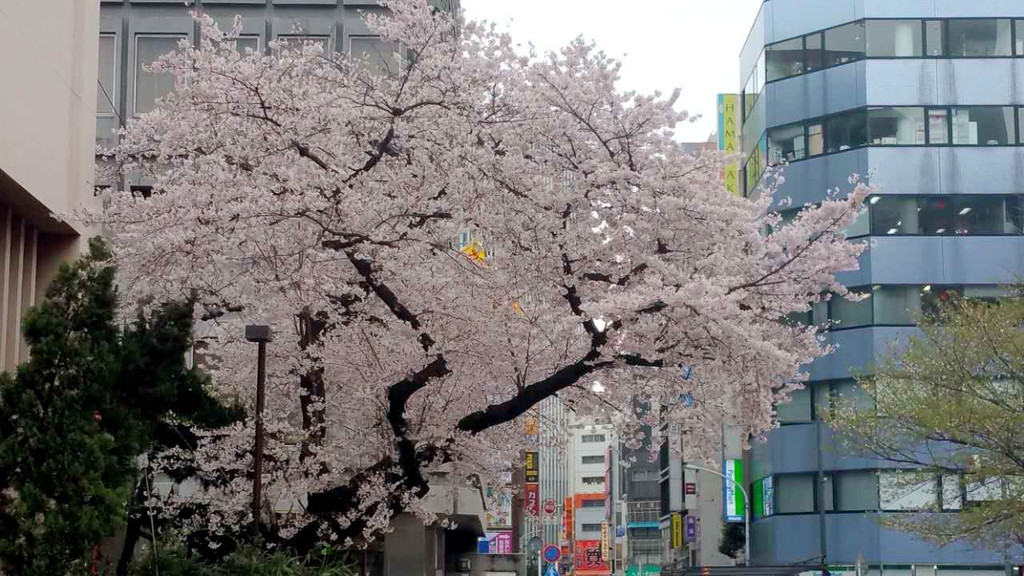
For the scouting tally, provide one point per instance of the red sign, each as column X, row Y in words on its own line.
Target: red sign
column 568, row 520
column 550, row 507
column 532, row 498
column 589, row 557
column 691, row 488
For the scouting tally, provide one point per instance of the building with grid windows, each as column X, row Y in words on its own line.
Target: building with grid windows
column 925, row 97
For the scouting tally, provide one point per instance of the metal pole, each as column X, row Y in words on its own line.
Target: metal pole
column 820, row 492
column 746, row 505
column 261, row 379
column 540, row 562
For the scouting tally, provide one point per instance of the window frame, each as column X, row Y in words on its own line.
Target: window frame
column 945, row 52
column 135, row 60
column 117, row 69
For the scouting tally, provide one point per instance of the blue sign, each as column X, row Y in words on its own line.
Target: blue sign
column 620, row 531
column 552, row 570
column 552, row 553
column 482, row 546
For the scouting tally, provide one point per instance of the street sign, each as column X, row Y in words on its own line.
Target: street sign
column 550, row 507
column 552, row 554
column 691, row 488
column 532, row 497
column 552, row 570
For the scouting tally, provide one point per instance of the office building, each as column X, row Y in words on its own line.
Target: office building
column 637, row 495
column 47, row 108
column 925, row 98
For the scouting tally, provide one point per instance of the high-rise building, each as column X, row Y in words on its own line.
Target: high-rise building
column 46, row 149
column 924, row 98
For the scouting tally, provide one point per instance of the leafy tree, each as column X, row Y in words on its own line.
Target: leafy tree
column 76, row 416
column 248, row 561
column 324, row 196
column 732, row 541
column 949, row 408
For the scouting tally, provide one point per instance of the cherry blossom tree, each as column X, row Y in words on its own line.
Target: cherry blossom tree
column 441, row 239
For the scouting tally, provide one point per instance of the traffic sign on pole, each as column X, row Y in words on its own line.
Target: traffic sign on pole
column 552, row 554
column 552, row 570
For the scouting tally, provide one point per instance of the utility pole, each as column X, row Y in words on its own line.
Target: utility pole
column 746, row 507
column 261, row 335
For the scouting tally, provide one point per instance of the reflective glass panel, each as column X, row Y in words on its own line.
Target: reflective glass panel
column 894, row 38
column 785, row 59
column 983, row 125
column 846, row 131
column 935, row 37
column 979, row 37
column 786, row 144
column 844, row 44
column 896, row 126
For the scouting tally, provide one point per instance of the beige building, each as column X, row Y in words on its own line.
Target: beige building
column 47, row 142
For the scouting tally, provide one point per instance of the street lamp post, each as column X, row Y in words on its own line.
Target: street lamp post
column 746, row 507
column 261, row 335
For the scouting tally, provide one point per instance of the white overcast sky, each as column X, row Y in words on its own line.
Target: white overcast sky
column 693, row 45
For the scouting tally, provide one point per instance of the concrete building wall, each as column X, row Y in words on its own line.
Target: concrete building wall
column 47, row 108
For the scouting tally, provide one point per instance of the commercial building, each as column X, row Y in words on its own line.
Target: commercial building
column 589, row 469
column 47, row 107
column 636, row 493
column 925, row 98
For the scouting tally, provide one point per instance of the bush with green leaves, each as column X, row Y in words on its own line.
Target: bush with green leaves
column 176, row 561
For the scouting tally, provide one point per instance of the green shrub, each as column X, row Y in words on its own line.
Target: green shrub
column 246, row 562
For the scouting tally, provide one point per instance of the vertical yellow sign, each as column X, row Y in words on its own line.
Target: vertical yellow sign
column 729, row 132
column 605, row 541
column 677, row 530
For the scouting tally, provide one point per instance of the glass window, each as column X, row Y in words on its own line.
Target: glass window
column 847, row 314
column 589, row 438
column 785, row 59
column 248, row 43
column 752, row 89
column 794, row 494
column 1014, row 223
column 906, row 491
column 377, row 54
column 861, row 226
column 844, row 44
column 896, row 126
column 1018, row 29
column 952, row 498
column 983, row 125
column 797, row 408
column 856, row 490
column 815, row 139
column 897, row 305
column 593, row 479
column 935, row 216
column 846, row 131
column 989, row 490
column 979, row 215
column 847, row 392
column 813, row 45
column 105, row 90
column 296, row 40
column 590, row 527
column 149, row 85
column 894, row 38
column 935, row 37
column 893, row 214
column 786, row 144
column 978, row 37
column 598, row 459
column 938, row 126
column 828, row 496
column 593, row 504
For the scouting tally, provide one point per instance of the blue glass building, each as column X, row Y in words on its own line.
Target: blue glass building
column 926, row 97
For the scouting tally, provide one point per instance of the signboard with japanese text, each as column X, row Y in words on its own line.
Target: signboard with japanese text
column 605, row 540
column 589, row 558
column 677, row 530
column 532, row 499
column 691, row 528
column 568, row 518
column 532, row 467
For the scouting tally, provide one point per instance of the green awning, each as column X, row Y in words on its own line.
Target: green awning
column 634, row 570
